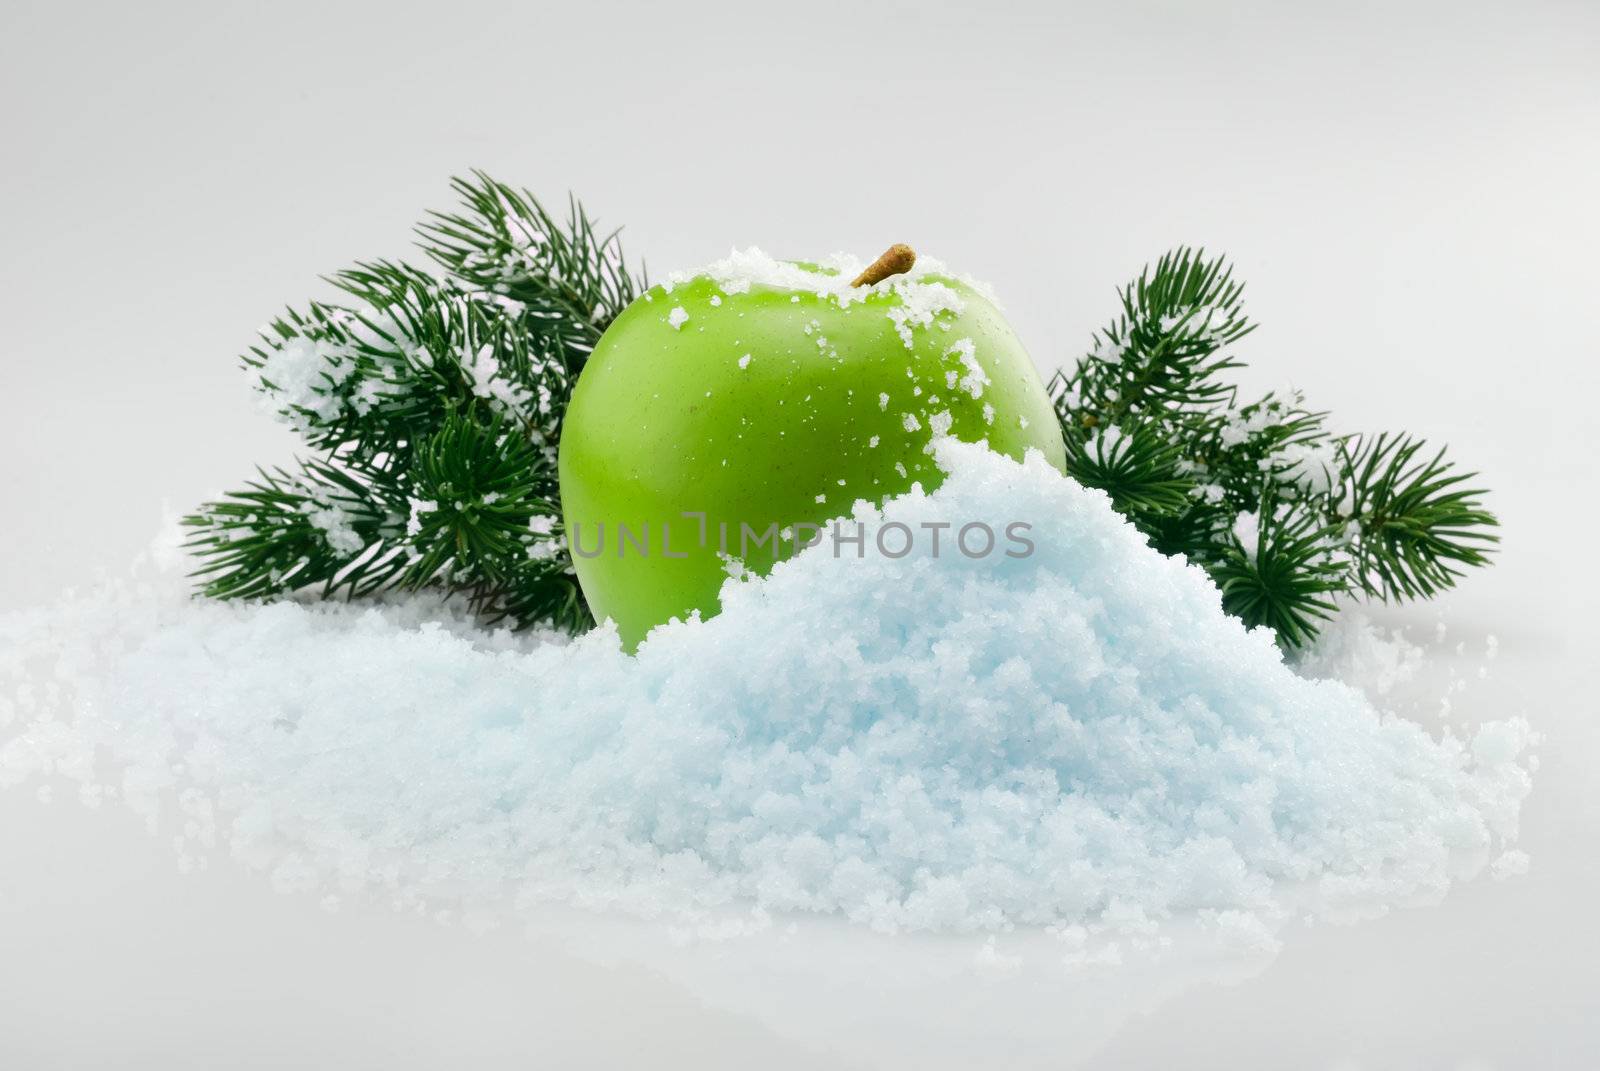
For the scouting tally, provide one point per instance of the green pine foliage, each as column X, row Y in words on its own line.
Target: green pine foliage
column 432, row 403
column 1284, row 514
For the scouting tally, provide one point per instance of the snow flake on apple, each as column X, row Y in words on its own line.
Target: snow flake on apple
column 923, row 298
column 976, row 378
column 921, row 305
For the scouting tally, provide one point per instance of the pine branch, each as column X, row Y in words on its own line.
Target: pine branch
column 1284, row 516
column 1281, row 574
column 1164, row 351
column 1415, row 523
column 1140, row 468
column 435, row 405
column 477, row 487
column 567, row 275
column 287, row 531
column 544, row 590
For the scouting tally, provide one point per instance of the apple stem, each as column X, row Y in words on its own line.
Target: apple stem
column 896, row 260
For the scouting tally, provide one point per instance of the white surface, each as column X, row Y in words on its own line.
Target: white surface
column 1408, row 190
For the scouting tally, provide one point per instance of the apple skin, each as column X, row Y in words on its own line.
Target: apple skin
column 665, row 421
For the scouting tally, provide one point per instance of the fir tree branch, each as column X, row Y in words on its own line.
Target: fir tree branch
column 287, row 531
column 1283, row 576
column 435, row 405
column 1415, row 523
column 1139, row 468
column 1164, row 351
column 477, row 488
column 1283, row 515
column 566, row 274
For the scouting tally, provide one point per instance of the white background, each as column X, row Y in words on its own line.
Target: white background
column 1412, row 192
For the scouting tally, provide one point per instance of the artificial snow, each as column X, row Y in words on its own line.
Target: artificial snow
column 298, row 372
column 922, row 293
column 976, row 378
column 1078, row 740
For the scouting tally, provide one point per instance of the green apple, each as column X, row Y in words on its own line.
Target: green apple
column 761, row 396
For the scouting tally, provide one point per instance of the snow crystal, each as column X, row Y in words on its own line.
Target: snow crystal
column 542, row 529
column 304, row 374
column 336, row 527
column 1509, row 865
column 1352, row 647
column 1247, row 532
column 1241, row 428
column 418, row 508
column 1108, row 352
column 744, row 362
column 976, row 378
column 491, row 383
column 678, row 317
column 1308, row 465
column 1078, row 738
column 921, row 306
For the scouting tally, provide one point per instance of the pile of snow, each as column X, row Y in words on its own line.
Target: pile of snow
column 1078, row 739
